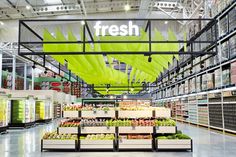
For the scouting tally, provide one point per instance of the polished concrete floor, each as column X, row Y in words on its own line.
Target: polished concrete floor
column 26, row 143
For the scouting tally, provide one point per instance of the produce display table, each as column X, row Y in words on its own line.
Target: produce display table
column 126, row 144
column 59, row 145
column 175, row 144
column 97, row 144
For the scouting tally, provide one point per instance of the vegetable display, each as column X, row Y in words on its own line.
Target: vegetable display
column 70, row 124
column 165, row 122
column 73, row 107
column 98, row 137
column 175, row 136
column 135, row 137
column 55, row 136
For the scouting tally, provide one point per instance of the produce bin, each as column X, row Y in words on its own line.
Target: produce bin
column 98, row 129
column 134, row 144
column 138, row 129
column 97, row 144
column 68, row 130
column 59, row 144
column 136, row 114
column 99, row 113
column 166, row 129
column 70, row 114
column 174, row 144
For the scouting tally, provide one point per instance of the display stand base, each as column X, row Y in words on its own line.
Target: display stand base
column 21, row 125
column 3, row 129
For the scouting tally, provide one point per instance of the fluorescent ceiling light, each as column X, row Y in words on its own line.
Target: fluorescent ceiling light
column 28, row 7
column 53, row 1
column 82, row 22
column 127, row 7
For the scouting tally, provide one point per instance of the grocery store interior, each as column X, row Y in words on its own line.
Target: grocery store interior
column 118, row 78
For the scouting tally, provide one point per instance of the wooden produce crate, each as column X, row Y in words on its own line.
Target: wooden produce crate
column 98, row 129
column 138, row 129
column 97, row 144
column 175, row 144
column 135, row 114
column 162, row 113
column 70, row 114
column 166, row 129
column 67, row 130
column 59, row 145
column 85, row 114
column 127, row 144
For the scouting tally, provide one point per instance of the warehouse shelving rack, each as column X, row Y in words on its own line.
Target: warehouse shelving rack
column 216, row 89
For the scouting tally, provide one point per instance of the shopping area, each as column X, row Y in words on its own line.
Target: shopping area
column 115, row 78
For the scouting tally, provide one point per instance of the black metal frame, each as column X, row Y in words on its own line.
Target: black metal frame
column 86, row 28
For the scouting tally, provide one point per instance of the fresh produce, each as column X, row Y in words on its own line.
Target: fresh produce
column 73, row 123
column 165, row 122
column 55, row 136
column 134, row 104
column 98, row 137
column 135, row 108
column 92, row 122
column 100, row 107
column 175, row 136
column 73, row 107
column 135, row 137
column 126, row 122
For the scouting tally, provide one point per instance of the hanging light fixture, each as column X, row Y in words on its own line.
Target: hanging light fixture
column 33, row 66
column 82, row 22
column 149, row 59
column 28, row 7
column 127, row 7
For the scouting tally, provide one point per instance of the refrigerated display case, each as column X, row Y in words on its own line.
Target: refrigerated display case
column 43, row 110
column 22, row 112
column 4, row 112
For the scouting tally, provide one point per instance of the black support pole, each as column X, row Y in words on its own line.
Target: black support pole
column 150, row 35
column 83, row 38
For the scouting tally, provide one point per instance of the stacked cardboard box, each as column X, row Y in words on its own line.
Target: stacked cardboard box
column 198, row 84
column 233, row 73
column 210, row 81
column 232, row 46
column 204, row 82
column 217, row 78
column 225, row 51
column 232, row 19
column 225, row 77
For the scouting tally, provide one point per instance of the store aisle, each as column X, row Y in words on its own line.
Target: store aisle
column 26, row 143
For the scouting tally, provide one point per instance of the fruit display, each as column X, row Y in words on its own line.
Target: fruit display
column 135, row 137
column 71, row 123
column 55, row 136
column 98, row 137
column 100, row 107
column 165, row 122
column 73, row 107
column 126, row 122
column 92, row 122
column 135, row 105
column 178, row 135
